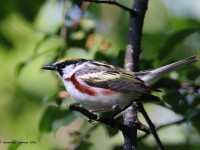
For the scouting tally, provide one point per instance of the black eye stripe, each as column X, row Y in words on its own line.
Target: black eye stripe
column 60, row 66
column 63, row 65
column 66, row 63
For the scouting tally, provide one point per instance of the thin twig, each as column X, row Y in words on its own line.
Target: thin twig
column 151, row 125
column 83, row 138
column 141, row 126
column 182, row 120
column 172, row 123
column 165, row 125
column 63, row 31
column 113, row 2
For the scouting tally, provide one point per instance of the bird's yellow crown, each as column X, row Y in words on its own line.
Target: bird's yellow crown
column 68, row 59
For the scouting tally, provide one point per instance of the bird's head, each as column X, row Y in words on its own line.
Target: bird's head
column 65, row 66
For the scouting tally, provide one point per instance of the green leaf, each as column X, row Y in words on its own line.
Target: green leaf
column 79, row 35
column 120, row 58
column 177, row 101
column 78, row 2
column 85, row 145
column 173, row 40
column 191, row 113
column 103, row 57
column 29, row 9
column 78, row 53
column 192, row 72
column 111, row 131
column 167, row 83
column 196, row 100
column 19, row 68
column 196, row 124
column 87, row 24
column 14, row 145
column 6, row 42
column 55, row 117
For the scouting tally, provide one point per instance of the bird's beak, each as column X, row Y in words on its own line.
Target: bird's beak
column 49, row 67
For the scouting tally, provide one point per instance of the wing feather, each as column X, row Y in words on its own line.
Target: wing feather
column 113, row 78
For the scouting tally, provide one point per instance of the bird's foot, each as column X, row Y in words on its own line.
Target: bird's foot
column 94, row 113
column 115, row 107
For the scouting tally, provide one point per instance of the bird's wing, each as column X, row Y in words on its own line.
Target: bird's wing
column 113, row 78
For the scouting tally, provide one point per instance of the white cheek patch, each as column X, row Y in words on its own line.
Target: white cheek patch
column 71, row 69
column 66, row 76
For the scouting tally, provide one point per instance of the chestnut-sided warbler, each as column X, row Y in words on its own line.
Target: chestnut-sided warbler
column 102, row 87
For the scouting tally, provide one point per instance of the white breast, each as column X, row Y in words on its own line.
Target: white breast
column 100, row 101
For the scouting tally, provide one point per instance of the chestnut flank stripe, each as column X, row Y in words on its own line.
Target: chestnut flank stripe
column 109, row 92
column 82, row 88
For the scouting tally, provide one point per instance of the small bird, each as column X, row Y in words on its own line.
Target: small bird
column 102, row 87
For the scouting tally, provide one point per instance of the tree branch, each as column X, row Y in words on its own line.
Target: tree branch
column 151, row 125
column 130, row 120
column 142, row 127
column 108, row 121
column 112, row 2
column 83, row 138
column 133, row 51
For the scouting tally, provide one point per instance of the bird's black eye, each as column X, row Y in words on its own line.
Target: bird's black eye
column 63, row 65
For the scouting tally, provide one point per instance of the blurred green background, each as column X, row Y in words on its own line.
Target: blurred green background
column 33, row 101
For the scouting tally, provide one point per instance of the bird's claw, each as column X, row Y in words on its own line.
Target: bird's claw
column 90, row 121
column 94, row 113
column 115, row 107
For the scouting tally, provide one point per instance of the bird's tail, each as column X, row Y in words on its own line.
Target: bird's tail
column 152, row 76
